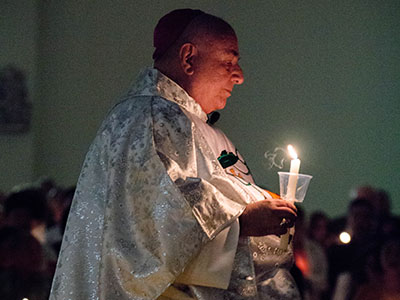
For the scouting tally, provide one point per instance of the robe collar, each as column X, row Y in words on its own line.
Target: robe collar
column 152, row 82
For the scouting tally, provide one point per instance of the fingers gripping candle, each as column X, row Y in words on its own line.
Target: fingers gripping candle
column 291, row 190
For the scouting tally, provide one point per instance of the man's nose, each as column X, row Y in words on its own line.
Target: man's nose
column 237, row 75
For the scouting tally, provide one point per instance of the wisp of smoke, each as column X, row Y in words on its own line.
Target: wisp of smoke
column 275, row 158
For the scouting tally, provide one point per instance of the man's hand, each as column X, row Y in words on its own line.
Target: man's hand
column 266, row 217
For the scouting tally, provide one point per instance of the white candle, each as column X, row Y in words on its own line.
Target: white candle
column 291, row 190
column 294, row 171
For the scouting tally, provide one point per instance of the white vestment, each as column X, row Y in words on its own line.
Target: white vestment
column 156, row 202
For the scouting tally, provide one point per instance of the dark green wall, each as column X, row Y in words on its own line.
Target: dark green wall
column 325, row 77
column 321, row 75
column 18, row 47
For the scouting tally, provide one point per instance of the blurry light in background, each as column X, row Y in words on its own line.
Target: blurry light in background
column 345, row 237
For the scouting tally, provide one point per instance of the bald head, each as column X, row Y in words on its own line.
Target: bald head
column 204, row 58
column 201, row 29
column 205, row 29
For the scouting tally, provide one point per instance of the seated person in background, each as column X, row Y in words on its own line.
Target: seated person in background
column 316, row 246
column 348, row 263
column 59, row 204
column 385, row 285
column 310, row 255
column 317, row 229
column 22, row 275
column 27, row 209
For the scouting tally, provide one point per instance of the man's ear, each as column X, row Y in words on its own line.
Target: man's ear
column 186, row 54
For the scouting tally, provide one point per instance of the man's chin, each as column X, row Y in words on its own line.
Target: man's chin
column 222, row 104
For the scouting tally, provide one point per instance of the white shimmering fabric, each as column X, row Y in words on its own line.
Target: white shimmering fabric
column 150, row 195
column 261, row 269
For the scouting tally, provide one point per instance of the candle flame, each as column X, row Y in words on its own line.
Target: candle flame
column 292, row 152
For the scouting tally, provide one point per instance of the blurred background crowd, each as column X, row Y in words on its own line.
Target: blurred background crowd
column 354, row 256
column 32, row 222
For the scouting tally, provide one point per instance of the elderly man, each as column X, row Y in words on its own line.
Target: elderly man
column 165, row 206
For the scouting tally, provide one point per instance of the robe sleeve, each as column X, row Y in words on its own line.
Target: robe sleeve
column 193, row 168
column 142, row 176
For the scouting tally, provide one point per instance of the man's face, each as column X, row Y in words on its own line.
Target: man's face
column 216, row 71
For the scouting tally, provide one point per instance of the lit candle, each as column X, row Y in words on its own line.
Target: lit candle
column 294, row 171
column 291, row 190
